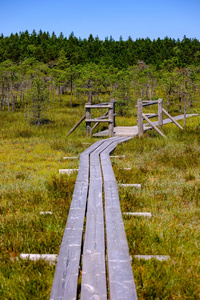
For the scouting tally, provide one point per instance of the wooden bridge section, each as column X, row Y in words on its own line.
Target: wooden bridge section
column 141, row 127
column 104, row 236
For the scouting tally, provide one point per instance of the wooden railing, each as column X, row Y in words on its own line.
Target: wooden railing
column 108, row 117
column 141, row 116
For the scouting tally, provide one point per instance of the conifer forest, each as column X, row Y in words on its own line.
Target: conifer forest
column 41, row 64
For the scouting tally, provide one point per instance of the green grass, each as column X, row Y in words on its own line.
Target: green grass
column 168, row 170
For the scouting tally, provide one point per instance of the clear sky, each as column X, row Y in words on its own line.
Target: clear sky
column 103, row 18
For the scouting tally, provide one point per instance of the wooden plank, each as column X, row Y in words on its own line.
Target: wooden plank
column 50, row 258
column 103, row 105
column 67, row 171
column 94, row 272
column 157, row 257
column 98, row 120
column 121, row 282
column 151, row 115
column 147, row 103
column 136, row 185
column 117, row 156
column 67, row 268
column 139, row 214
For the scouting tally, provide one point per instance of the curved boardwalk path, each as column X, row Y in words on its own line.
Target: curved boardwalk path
column 103, row 223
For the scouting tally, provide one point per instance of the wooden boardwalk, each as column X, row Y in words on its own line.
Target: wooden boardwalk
column 132, row 131
column 95, row 179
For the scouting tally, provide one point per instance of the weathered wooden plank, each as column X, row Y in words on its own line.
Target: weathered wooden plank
column 51, row 258
column 67, row 171
column 139, row 214
column 136, row 185
column 149, row 116
column 67, row 268
column 94, row 272
column 147, row 103
column 103, row 105
column 98, row 120
column 117, row 156
column 157, row 257
column 121, row 282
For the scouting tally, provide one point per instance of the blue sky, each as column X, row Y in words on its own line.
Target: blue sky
column 105, row 18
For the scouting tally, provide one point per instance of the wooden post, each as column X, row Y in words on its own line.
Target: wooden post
column 185, row 102
column 160, row 113
column 111, row 122
column 114, row 113
column 90, row 92
column 88, row 124
column 140, row 118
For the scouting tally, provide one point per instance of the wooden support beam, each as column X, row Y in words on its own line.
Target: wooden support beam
column 117, row 156
column 138, row 214
column 77, row 124
column 147, row 103
column 98, row 120
column 136, row 185
column 67, row 171
column 171, row 118
column 149, row 115
column 157, row 257
column 51, row 258
column 152, row 125
column 103, row 105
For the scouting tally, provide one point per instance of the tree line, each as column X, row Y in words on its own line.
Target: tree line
column 36, row 69
column 45, row 48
